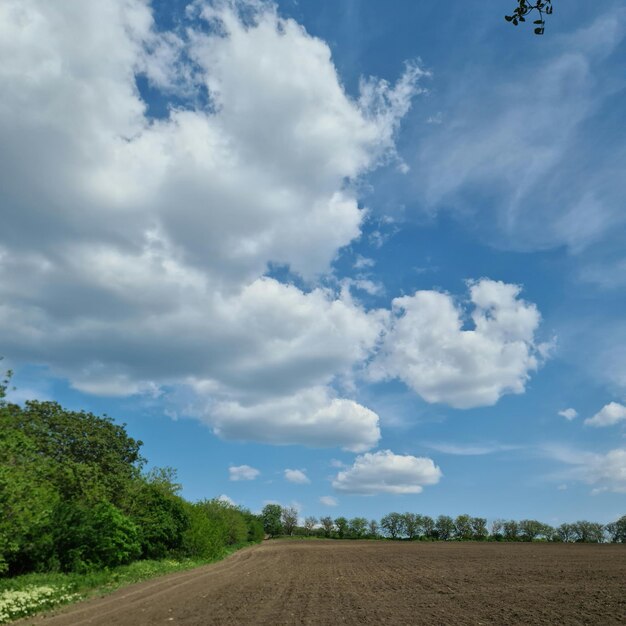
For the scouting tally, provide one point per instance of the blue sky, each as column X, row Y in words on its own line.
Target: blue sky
column 356, row 256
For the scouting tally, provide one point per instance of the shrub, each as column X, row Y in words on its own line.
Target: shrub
column 89, row 537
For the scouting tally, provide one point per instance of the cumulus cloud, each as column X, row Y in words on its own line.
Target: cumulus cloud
column 606, row 472
column 312, row 417
column 386, row 472
column 569, row 414
column 608, row 415
column 296, row 476
column 429, row 350
column 242, row 472
column 328, row 501
column 146, row 241
column 226, row 499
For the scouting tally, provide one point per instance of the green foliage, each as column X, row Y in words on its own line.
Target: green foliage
column 309, row 525
column 160, row 514
column 289, row 519
column 341, row 524
column 5, row 381
column 392, row 525
column 617, row 530
column 215, row 525
column 373, row 529
column 444, row 527
column 88, row 457
column 271, row 515
column 463, row 527
column 525, row 7
column 93, row 536
column 72, row 497
column 256, row 532
column 357, row 527
column 588, row 532
column 510, row 530
column 328, row 525
column 479, row 528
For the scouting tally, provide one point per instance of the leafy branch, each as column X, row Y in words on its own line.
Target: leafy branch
column 5, row 381
column 524, row 8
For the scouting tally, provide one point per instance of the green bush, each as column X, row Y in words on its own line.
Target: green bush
column 94, row 536
column 162, row 519
column 215, row 525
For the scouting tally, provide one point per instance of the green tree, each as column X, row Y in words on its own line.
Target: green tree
column 392, row 525
column 510, row 530
column 372, row 529
column 271, row 515
column 328, row 525
column 429, row 527
column 5, row 381
column 309, row 524
column 479, row 528
column 588, row 532
column 88, row 458
column 255, row 526
column 565, row 532
column 341, row 523
column 496, row 529
column 530, row 529
column 412, row 525
column 160, row 514
column 358, row 527
column 289, row 518
column 214, row 525
column 463, row 527
column 444, row 527
column 617, row 530
column 90, row 536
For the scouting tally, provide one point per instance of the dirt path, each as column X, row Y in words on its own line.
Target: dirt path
column 349, row 582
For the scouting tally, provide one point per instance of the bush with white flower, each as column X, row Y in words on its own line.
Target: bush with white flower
column 20, row 603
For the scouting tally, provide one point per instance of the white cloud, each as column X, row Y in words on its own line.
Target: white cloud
column 373, row 288
column 226, row 499
column 312, row 417
column 428, row 349
column 362, row 262
column 145, row 241
column 608, row 415
column 569, row 414
column 386, row 472
column 522, row 171
column 296, row 476
column 328, row 501
column 477, row 449
column 606, row 472
column 242, row 472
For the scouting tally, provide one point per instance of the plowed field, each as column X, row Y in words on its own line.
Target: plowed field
column 360, row 582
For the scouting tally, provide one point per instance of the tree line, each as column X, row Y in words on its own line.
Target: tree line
column 279, row 521
column 74, row 497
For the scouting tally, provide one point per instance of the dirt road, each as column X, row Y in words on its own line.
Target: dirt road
column 354, row 582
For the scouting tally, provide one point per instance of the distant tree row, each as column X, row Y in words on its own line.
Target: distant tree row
column 73, row 497
column 279, row 520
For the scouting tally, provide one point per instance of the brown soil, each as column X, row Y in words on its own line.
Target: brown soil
column 360, row 582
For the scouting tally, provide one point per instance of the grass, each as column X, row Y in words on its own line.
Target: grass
column 25, row 595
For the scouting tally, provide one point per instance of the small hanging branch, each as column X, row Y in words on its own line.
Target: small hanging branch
column 543, row 7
